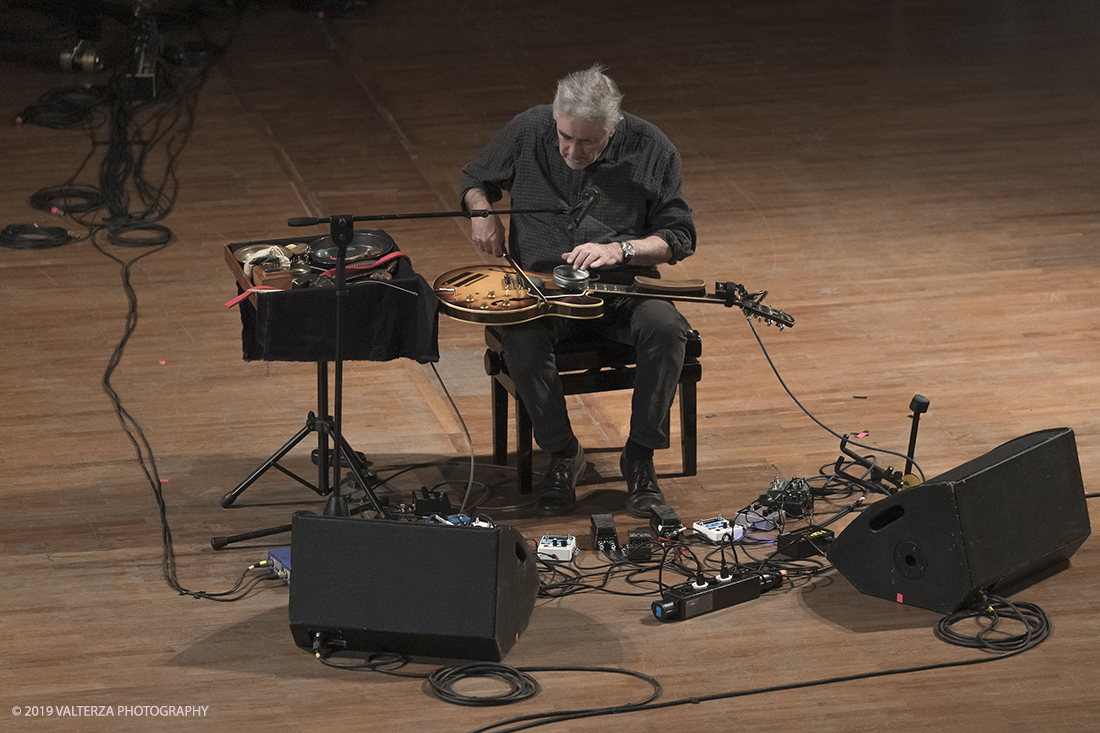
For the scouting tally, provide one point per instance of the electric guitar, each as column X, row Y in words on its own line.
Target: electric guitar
column 502, row 296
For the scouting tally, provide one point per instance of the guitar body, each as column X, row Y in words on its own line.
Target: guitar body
column 496, row 295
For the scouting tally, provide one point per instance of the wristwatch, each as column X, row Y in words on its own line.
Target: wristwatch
column 628, row 251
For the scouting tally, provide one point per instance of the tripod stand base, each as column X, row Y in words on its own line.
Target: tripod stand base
column 324, row 456
column 365, row 478
column 313, row 424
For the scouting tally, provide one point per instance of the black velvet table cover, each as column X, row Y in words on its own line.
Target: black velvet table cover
column 383, row 320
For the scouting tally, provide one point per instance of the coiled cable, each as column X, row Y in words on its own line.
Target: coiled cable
column 32, row 236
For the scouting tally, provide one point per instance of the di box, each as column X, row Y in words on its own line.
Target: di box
column 994, row 524
column 421, row 590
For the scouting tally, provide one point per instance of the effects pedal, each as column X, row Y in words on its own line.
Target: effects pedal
column 665, row 523
column 759, row 517
column 805, row 542
column 604, row 536
column 718, row 530
column 792, row 497
column 427, row 502
column 561, row 548
column 639, row 545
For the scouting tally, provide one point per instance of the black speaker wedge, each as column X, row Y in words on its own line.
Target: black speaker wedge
column 994, row 524
column 416, row 589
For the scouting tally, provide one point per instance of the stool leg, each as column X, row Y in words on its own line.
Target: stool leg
column 524, row 439
column 500, row 424
column 689, row 443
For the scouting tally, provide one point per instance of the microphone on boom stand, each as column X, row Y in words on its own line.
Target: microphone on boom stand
column 579, row 213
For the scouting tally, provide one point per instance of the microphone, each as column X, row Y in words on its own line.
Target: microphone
column 304, row 221
column 588, row 199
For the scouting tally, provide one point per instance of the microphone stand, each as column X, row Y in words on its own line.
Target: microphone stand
column 343, row 231
column 308, row 221
column 919, row 406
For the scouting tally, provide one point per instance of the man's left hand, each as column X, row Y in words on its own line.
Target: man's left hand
column 589, row 256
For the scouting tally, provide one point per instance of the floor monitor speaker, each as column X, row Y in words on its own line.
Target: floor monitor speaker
column 994, row 524
column 416, row 589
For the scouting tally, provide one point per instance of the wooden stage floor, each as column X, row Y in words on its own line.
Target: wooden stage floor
column 917, row 182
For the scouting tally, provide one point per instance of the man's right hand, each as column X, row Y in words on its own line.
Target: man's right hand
column 487, row 231
column 488, row 234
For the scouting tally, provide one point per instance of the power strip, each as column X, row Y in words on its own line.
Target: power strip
column 684, row 602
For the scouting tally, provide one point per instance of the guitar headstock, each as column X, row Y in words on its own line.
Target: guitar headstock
column 752, row 304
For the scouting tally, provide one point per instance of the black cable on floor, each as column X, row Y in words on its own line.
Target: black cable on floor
column 521, row 685
column 1037, row 628
column 32, row 236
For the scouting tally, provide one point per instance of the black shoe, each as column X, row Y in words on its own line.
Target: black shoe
column 641, row 485
column 559, row 489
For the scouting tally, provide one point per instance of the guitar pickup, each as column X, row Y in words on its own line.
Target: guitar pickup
column 465, row 278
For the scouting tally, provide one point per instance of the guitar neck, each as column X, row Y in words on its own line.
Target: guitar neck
column 727, row 294
column 611, row 289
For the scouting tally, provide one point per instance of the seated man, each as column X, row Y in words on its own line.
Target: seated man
column 548, row 157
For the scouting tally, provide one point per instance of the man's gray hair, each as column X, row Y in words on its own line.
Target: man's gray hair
column 589, row 95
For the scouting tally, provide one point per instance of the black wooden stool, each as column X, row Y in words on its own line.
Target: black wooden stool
column 599, row 365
